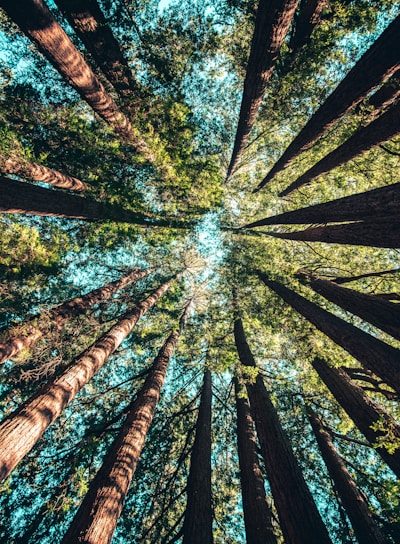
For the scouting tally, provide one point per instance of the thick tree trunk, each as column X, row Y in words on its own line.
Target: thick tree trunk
column 23, row 335
column 197, row 525
column 272, row 24
column 98, row 515
column 382, row 129
column 348, row 279
column 362, row 410
column 257, row 515
column 309, row 17
column 299, row 518
column 365, row 528
column 380, row 358
column 375, row 66
column 20, row 431
column 377, row 203
column 382, row 313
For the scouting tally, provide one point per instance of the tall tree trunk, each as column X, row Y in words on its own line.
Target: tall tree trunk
column 384, row 97
column 197, row 525
column 382, row 129
column 98, row 515
column 257, row 515
column 380, row 358
column 361, row 518
column 272, row 24
column 377, row 203
column 382, row 313
column 299, row 518
column 20, row 431
column 362, row 410
column 23, row 335
column 310, row 15
column 348, row 279
column 374, row 67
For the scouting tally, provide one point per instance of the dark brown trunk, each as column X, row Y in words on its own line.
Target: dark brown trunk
column 380, row 358
column 197, row 526
column 271, row 26
column 375, row 66
column 25, row 334
column 362, row 410
column 384, row 97
column 382, row 129
column 309, row 17
column 361, row 518
column 20, row 431
column 299, row 518
column 348, row 279
column 257, row 515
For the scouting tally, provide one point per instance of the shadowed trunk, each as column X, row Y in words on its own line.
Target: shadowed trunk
column 308, row 18
column 384, row 97
column 362, row 410
column 348, row 279
column 375, row 355
column 23, row 335
column 361, row 518
column 257, row 515
column 20, row 431
column 197, row 526
column 299, row 518
column 272, row 24
column 374, row 67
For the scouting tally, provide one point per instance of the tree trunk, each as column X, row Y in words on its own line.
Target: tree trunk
column 35, row 326
column 257, row 515
column 98, row 515
column 361, row 518
column 384, row 97
column 348, row 279
column 382, row 129
column 362, row 410
column 309, row 17
column 382, row 313
column 197, row 525
column 380, row 358
column 299, row 518
column 374, row 67
column 271, row 26
column 20, row 431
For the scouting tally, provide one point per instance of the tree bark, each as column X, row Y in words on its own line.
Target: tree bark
column 257, row 515
column 35, row 326
column 374, row 67
column 98, row 515
column 272, row 24
column 309, row 17
column 348, row 279
column 382, row 129
column 382, row 359
column 361, row 518
column 197, row 525
column 299, row 518
column 20, row 431
column 384, row 97
column 362, row 410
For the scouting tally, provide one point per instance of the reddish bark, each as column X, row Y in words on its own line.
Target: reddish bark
column 384, row 97
column 310, row 15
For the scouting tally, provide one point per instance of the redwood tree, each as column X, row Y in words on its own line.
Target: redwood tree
column 309, row 16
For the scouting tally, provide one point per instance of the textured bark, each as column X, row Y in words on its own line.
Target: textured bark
column 384, row 97
column 257, row 515
column 361, row 518
column 377, row 203
column 382, row 129
column 309, row 17
column 20, row 431
column 34, row 327
column 374, row 67
column 299, row 518
column 98, row 515
column 361, row 409
column 373, row 354
column 197, row 525
column 272, row 24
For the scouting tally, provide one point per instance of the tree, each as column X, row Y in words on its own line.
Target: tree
column 308, row 17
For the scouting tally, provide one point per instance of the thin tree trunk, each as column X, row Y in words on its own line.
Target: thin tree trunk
column 97, row 517
column 382, row 313
column 382, row 129
column 20, row 431
column 24, row 334
column 361, row 518
column 309, row 17
column 363, row 411
column 257, row 515
column 197, row 525
column 380, row 358
column 272, row 24
column 384, row 97
column 374, row 67
column 348, row 279
column 299, row 518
